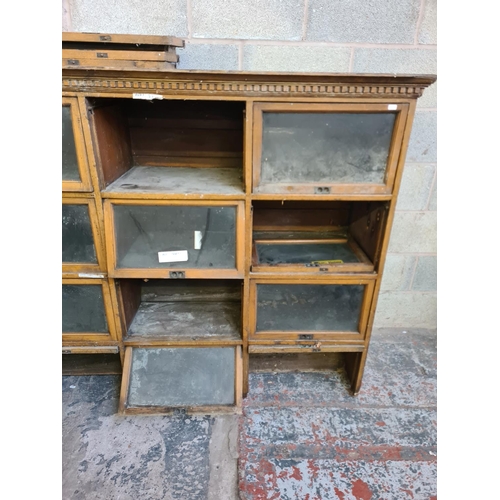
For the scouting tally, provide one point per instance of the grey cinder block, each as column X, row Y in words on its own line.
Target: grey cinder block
column 428, row 28
column 425, row 274
column 406, row 310
column 251, row 19
column 398, row 272
column 433, row 198
column 296, row 58
column 208, row 56
column 361, row 21
column 423, row 139
column 144, row 17
column 400, row 61
column 414, row 232
column 415, row 187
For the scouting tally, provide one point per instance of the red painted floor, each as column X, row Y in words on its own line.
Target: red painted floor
column 303, row 436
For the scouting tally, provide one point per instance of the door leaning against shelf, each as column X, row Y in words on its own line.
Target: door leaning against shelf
column 243, row 213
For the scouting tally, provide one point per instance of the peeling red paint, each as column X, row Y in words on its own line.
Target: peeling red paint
column 361, row 491
column 313, row 468
column 296, row 474
column 339, row 493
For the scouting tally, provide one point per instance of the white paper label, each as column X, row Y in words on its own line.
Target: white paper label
column 90, row 275
column 174, row 256
column 198, row 236
column 392, row 107
column 148, row 97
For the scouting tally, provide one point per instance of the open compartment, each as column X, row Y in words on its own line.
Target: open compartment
column 81, row 239
column 168, row 312
column 87, row 312
column 172, row 239
column 316, row 310
column 75, row 170
column 316, row 236
column 168, row 147
column 327, row 148
column 163, row 379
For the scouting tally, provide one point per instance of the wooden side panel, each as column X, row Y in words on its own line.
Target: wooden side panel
column 367, row 224
column 113, row 142
column 130, row 299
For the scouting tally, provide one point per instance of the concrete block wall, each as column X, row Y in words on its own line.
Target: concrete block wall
column 355, row 36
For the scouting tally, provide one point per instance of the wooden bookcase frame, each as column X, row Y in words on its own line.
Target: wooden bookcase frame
column 124, row 409
column 309, row 188
column 164, row 273
column 338, row 336
column 84, row 184
column 277, row 92
column 109, row 297
column 81, row 269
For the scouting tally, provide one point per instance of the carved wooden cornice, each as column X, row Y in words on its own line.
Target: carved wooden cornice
column 246, row 84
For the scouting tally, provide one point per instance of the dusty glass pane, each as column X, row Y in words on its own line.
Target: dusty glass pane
column 182, row 377
column 69, row 160
column 325, row 147
column 304, row 253
column 83, row 309
column 309, row 308
column 77, row 238
column 205, row 235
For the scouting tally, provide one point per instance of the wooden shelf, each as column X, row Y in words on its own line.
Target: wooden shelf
column 181, row 323
column 177, row 183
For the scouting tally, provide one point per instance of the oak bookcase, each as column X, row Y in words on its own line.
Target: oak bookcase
column 212, row 216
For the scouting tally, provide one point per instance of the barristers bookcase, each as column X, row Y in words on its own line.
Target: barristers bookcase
column 213, row 216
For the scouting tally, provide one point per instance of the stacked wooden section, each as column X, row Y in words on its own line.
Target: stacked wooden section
column 112, row 51
column 226, row 215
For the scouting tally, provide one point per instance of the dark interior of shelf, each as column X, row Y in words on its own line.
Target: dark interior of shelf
column 182, row 311
column 179, row 137
column 91, row 364
column 296, row 362
column 304, row 253
column 299, row 224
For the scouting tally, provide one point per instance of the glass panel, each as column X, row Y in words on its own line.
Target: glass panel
column 83, row 309
column 182, row 377
column 77, row 237
column 70, row 170
column 201, row 237
column 325, row 147
column 304, row 253
column 309, row 308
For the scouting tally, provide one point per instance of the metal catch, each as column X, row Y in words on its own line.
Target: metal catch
column 177, row 274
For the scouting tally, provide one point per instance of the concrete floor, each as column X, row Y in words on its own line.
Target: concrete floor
column 300, row 436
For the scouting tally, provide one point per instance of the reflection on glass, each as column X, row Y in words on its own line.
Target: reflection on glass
column 312, row 308
column 77, row 238
column 69, row 160
column 83, row 309
column 186, row 236
column 325, row 147
column 182, row 377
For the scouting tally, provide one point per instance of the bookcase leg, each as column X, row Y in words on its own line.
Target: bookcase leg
column 355, row 366
column 245, row 371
